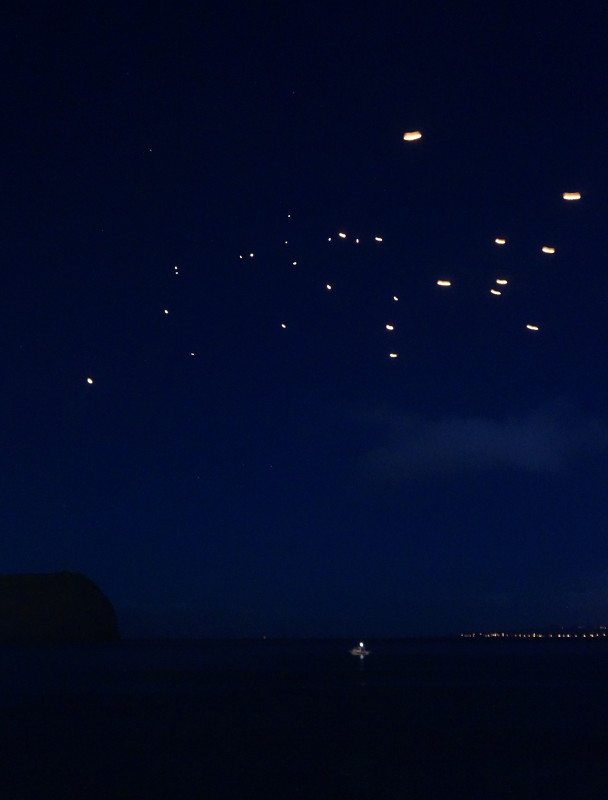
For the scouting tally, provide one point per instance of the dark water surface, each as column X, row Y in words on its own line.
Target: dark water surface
column 304, row 719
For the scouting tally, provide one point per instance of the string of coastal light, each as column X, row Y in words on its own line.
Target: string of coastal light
column 597, row 634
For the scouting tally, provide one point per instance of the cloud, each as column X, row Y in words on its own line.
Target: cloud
column 543, row 441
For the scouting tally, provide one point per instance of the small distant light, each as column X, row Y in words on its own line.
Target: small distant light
column 328, row 287
column 395, row 298
column 356, row 241
column 377, row 238
column 411, row 136
column 166, row 311
column 329, row 238
column 240, row 256
column 342, row 235
column 444, row 283
column 191, row 354
column 532, row 327
column 548, row 249
column 501, row 281
column 283, row 325
column 571, row 195
column 495, row 291
column 500, row 241
column 289, row 215
column 392, row 355
column 89, row 380
column 390, row 327
column 293, row 263
column 250, row 255
column 286, row 242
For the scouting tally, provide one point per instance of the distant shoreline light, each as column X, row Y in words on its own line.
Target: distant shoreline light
column 561, row 634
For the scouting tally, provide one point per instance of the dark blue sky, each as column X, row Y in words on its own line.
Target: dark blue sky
column 298, row 481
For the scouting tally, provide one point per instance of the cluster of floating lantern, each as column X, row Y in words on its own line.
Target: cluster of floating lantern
column 412, row 136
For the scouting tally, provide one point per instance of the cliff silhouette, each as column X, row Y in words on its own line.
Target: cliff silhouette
column 57, row 607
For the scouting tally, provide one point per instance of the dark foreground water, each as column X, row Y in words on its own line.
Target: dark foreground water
column 304, row 719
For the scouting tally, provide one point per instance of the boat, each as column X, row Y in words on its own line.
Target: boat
column 359, row 650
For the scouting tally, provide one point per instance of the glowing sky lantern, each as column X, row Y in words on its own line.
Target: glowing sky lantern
column 444, row 283
column 548, row 249
column 411, row 136
column 532, row 327
column 89, row 380
column 500, row 241
column 501, row 281
column 571, row 195
column 390, row 327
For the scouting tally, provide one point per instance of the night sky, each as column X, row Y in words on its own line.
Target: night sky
column 224, row 475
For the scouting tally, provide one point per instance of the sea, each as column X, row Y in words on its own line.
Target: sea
column 301, row 718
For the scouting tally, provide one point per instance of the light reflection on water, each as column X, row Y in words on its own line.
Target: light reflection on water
column 181, row 666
